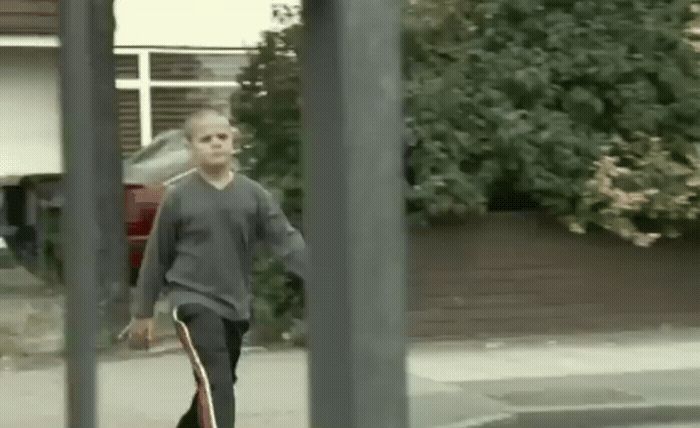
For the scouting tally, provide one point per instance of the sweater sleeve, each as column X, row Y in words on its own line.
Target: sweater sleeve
column 284, row 240
column 158, row 257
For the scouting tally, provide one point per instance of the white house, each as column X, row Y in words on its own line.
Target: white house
column 171, row 57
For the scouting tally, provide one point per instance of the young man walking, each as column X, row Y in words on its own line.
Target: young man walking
column 200, row 254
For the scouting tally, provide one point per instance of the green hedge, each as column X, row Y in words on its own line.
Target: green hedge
column 585, row 109
column 516, row 103
column 526, row 97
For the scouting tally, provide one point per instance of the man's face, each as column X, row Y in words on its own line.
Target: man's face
column 212, row 142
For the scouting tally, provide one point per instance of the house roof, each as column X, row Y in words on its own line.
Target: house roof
column 29, row 17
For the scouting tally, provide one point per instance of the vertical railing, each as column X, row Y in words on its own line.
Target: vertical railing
column 93, row 218
column 113, row 292
column 81, row 223
column 356, row 230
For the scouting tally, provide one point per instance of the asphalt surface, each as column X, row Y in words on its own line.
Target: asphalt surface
column 566, row 382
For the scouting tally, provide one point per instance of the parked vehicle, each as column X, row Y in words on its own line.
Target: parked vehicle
column 146, row 174
column 141, row 205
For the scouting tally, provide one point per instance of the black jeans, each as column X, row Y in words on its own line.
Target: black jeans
column 213, row 345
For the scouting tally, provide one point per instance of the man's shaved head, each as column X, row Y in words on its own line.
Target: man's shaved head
column 195, row 118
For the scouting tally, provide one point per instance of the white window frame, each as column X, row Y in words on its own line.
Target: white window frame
column 144, row 83
column 28, row 41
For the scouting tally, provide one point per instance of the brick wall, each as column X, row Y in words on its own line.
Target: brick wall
column 513, row 274
column 29, row 17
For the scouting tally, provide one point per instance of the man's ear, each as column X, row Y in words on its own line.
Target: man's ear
column 237, row 134
column 237, row 139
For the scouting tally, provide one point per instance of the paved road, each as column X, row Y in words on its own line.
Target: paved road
column 656, row 425
column 447, row 382
column 153, row 392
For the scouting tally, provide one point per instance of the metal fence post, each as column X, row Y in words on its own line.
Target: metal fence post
column 113, row 297
column 356, row 228
column 81, row 216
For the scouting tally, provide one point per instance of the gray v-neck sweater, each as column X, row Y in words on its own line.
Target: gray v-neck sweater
column 201, row 247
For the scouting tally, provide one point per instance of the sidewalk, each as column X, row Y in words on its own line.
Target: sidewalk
column 649, row 397
column 572, row 381
column 590, row 380
column 558, row 382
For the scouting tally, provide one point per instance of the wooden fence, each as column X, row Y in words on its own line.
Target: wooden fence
column 511, row 274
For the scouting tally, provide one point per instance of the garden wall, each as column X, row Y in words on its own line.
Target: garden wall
column 510, row 274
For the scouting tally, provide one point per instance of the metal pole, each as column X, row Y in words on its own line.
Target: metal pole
column 113, row 301
column 81, row 217
column 356, row 228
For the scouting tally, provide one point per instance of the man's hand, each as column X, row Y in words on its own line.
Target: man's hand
column 141, row 333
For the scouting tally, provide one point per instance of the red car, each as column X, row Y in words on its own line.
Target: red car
column 141, row 206
column 146, row 175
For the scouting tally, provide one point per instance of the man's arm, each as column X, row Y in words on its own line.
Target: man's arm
column 284, row 240
column 158, row 257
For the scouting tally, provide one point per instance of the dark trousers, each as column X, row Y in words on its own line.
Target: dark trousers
column 213, row 345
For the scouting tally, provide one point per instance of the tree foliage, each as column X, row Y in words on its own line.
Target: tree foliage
column 641, row 190
column 268, row 108
column 520, row 103
column 528, row 97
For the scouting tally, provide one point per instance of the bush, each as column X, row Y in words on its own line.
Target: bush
column 642, row 191
column 268, row 108
column 523, row 97
column 586, row 109
column 279, row 300
column 510, row 104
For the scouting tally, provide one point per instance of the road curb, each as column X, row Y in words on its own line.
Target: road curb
column 588, row 416
column 484, row 421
